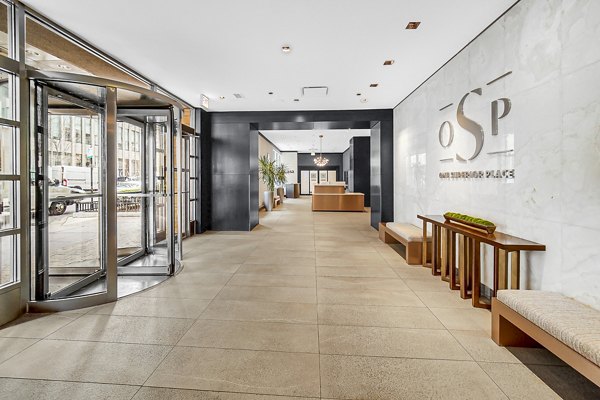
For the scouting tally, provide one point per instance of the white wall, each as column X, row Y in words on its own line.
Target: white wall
column 552, row 48
column 290, row 160
column 264, row 148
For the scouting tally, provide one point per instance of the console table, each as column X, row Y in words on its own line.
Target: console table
column 448, row 236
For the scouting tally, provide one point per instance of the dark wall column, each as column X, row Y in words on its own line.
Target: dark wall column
column 203, row 124
column 382, row 173
column 232, row 176
column 253, row 176
column 360, row 164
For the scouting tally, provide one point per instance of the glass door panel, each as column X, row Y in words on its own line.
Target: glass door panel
column 69, row 217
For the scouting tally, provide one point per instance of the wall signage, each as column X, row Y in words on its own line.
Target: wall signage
column 489, row 174
column 499, row 109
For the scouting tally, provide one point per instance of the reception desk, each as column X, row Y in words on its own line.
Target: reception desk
column 329, row 188
column 338, row 202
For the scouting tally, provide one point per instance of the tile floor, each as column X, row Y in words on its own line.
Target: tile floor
column 308, row 305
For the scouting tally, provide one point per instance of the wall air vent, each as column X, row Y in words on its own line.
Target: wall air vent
column 315, row 91
column 238, row 96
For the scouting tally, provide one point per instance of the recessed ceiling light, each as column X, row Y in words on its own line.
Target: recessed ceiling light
column 374, row 85
column 238, row 95
column 388, row 62
column 221, row 97
column 296, row 99
column 359, row 94
column 286, row 48
column 363, row 100
column 63, row 66
column 270, row 93
column 413, row 25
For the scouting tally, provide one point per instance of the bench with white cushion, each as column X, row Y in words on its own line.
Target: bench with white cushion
column 409, row 235
column 566, row 327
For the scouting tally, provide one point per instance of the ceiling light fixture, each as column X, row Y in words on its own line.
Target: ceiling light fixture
column 221, row 97
column 296, row 99
column 413, row 25
column 374, row 85
column 359, row 94
column 321, row 161
column 270, row 93
column 388, row 62
column 286, row 48
column 363, row 100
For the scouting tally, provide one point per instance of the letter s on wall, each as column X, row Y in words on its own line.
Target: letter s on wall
column 470, row 126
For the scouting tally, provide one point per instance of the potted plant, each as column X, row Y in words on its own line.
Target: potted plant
column 266, row 168
column 281, row 179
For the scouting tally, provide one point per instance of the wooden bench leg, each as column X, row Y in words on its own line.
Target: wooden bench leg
column 504, row 332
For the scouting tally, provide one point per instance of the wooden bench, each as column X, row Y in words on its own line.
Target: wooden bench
column 407, row 234
column 567, row 328
column 277, row 200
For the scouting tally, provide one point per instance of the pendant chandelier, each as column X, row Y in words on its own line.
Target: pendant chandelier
column 321, row 161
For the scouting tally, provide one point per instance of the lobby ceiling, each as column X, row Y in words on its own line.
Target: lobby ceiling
column 334, row 140
column 227, row 47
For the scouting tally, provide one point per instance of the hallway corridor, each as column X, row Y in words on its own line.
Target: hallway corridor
column 307, row 305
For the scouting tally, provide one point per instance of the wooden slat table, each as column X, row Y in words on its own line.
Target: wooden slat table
column 507, row 251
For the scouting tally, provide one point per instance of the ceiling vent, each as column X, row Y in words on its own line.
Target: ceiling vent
column 315, row 91
column 238, row 96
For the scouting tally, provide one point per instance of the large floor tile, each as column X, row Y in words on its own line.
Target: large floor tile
column 201, row 277
column 370, row 272
column 429, row 284
column 11, row 346
column 291, row 374
column 273, row 280
column 152, row 393
column 275, row 294
column 383, row 316
column 178, row 290
column 446, row 299
column 271, row 269
column 85, row 362
column 344, row 282
column 154, row 307
column 518, row 382
column 210, row 268
column 125, row 329
column 268, row 258
column 298, row 313
column 390, row 342
column 37, row 326
column 346, row 377
column 26, row 389
column 368, row 297
column 467, row 319
column 252, row 336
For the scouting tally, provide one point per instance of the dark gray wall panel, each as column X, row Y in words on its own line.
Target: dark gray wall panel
column 230, row 148
column 360, row 165
column 375, row 176
column 230, row 202
column 386, row 154
column 203, row 120
column 254, row 177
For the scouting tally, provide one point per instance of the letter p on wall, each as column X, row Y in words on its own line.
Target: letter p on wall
column 495, row 116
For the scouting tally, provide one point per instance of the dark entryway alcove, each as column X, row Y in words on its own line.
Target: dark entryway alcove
column 229, row 169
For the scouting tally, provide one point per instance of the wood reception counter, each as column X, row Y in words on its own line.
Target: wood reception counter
column 338, row 202
column 329, row 188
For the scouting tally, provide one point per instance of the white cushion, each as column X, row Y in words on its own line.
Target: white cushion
column 409, row 232
column 573, row 323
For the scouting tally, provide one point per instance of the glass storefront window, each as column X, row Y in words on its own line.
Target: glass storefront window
column 8, row 204
column 6, row 90
column 8, row 150
column 5, row 28
column 8, row 256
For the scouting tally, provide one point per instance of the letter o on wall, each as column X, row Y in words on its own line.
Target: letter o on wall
column 450, row 134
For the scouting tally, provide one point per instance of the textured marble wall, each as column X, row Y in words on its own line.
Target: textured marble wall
column 552, row 48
